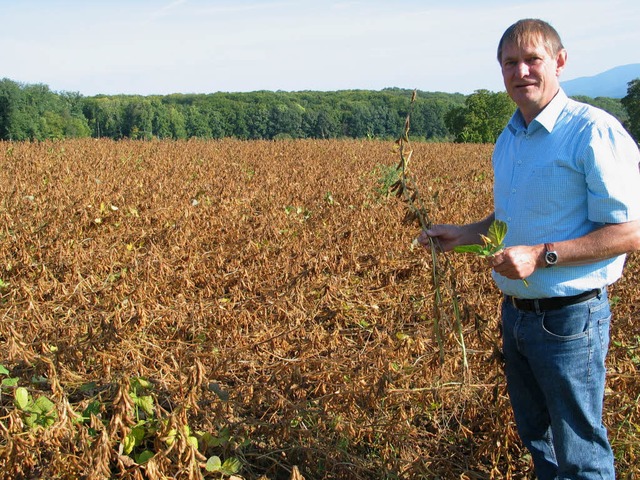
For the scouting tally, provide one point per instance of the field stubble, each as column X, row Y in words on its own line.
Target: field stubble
column 271, row 297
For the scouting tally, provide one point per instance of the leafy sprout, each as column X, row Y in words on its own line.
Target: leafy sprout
column 493, row 243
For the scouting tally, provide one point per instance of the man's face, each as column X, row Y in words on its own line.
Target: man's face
column 530, row 76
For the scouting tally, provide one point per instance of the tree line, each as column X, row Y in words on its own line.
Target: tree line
column 34, row 112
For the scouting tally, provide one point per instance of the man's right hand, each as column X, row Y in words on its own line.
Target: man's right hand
column 449, row 236
column 446, row 236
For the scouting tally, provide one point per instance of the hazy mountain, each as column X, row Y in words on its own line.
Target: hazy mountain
column 612, row 83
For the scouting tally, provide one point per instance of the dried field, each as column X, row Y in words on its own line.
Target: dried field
column 258, row 303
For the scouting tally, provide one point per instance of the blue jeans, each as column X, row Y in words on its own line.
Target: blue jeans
column 555, row 369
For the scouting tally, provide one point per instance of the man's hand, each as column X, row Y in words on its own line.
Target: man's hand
column 446, row 236
column 518, row 263
column 449, row 236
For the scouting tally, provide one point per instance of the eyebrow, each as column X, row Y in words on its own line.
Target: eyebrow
column 526, row 54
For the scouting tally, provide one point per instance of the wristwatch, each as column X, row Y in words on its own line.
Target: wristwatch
column 550, row 255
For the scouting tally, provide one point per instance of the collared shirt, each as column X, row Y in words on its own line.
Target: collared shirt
column 570, row 171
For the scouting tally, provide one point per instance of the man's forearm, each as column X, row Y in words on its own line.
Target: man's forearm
column 608, row 241
column 474, row 230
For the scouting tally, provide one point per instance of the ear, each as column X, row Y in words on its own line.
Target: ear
column 561, row 61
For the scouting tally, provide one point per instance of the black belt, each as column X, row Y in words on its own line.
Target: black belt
column 553, row 303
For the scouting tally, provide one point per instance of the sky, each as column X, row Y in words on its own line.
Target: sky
column 150, row 47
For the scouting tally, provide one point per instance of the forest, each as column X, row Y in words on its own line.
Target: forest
column 34, row 112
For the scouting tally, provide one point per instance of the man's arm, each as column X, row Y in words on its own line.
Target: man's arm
column 608, row 241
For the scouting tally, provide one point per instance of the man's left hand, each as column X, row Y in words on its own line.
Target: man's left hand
column 517, row 263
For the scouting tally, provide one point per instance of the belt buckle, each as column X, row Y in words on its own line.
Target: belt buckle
column 513, row 301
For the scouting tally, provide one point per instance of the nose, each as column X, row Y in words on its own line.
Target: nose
column 522, row 69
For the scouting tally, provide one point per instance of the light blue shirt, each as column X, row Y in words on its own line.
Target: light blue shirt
column 573, row 169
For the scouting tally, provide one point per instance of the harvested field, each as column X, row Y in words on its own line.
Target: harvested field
column 168, row 304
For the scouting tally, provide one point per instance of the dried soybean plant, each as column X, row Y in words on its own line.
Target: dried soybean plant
column 443, row 273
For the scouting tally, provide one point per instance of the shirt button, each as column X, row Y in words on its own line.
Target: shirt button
column 513, row 191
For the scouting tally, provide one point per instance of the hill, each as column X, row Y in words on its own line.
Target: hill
column 612, row 83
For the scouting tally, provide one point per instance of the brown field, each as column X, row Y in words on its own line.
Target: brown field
column 270, row 300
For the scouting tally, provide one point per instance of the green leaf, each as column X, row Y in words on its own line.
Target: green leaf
column 231, row 466
column 143, row 382
column 170, row 438
column 493, row 241
column 193, row 441
column 3, row 370
column 10, row 382
column 402, row 336
column 138, row 433
column 22, row 398
column 145, row 402
column 214, row 464
column 31, row 420
column 43, row 405
column 92, row 408
column 477, row 249
column 144, row 457
column 128, row 443
column 497, row 232
column 139, row 383
column 207, row 439
column 88, row 387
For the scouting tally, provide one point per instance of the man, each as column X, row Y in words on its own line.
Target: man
column 567, row 184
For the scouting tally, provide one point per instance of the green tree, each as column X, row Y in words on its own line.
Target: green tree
column 455, row 122
column 358, row 120
column 611, row 105
column 33, row 112
column 385, row 120
column 197, row 124
column 428, row 119
column 138, row 118
column 285, row 121
column 217, row 124
column 52, row 125
column 177, row 123
column 257, row 119
column 631, row 104
column 160, row 121
column 75, row 124
column 483, row 117
column 10, row 94
column 104, row 115
column 320, row 123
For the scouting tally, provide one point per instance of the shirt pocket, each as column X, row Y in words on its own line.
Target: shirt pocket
column 553, row 191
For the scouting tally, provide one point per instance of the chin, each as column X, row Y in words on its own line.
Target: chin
column 525, row 96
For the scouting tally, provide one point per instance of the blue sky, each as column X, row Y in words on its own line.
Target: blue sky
column 198, row 46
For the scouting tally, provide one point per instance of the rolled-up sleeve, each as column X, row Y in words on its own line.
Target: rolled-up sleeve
column 612, row 162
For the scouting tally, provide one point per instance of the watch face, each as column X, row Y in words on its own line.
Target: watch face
column 551, row 258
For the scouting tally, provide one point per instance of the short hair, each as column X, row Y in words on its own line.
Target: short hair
column 528, row 29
